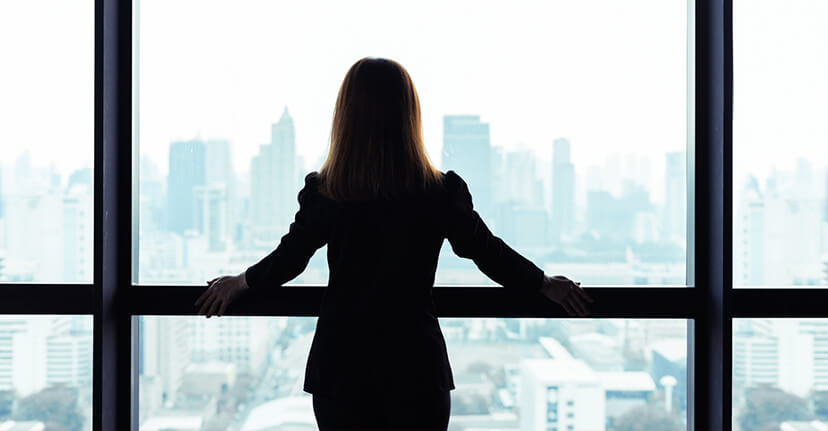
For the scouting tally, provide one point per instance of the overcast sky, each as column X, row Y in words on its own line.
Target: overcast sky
column 608, row 75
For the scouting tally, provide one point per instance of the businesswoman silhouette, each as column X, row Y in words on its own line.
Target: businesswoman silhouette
column 378, row 358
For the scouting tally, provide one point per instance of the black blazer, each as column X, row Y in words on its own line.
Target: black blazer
column 376, row 324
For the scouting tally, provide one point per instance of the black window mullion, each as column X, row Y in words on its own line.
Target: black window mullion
column 113, row 389
column 710, row 366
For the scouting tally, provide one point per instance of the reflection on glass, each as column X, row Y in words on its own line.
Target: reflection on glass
column 46, row 137
column 247, row 373
column 780, row 203
column 780, row 374
column 46, row 372
column 578, row 160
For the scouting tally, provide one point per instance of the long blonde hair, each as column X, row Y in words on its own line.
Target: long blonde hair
column 376, row 148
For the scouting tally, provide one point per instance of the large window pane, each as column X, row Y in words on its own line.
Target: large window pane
column 46, row 140
column 780, row 374
column 247, row 373
column 780, row 136
column 46, row 372
column 568, row 119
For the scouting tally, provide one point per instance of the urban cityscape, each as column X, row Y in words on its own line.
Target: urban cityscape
column 203, row 220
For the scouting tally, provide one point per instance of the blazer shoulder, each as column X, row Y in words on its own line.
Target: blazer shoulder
column 455, row 186
column 310, row 190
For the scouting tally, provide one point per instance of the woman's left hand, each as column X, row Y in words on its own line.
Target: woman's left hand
column 221, row 291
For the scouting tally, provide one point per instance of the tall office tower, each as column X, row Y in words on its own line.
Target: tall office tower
column 755, row 360
column 563, row 190
column 553, row 393
column 69, row 360
column 187, row 170
column 674, row 220
column 241, row 341
column 218, row 160
column 467, row 151
column 825, row 197
column 22, row 353
column 749, row 236
column 211, row 214
column 77, row 232
column 273, row 185
column 792, row 246
column 521, row 179
column 165, row 345
column 2, row 196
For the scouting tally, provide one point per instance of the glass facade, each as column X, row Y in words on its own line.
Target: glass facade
column 46, row 372
column 530, row 374
column 780, row 162
column 47, row 140
column 579, row 161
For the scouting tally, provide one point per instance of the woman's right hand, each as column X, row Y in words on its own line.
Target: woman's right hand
column 567, row 293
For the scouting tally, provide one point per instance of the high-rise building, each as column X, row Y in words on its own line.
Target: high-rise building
column 674, row 220
column 211, row 214
column 77, row 233
column 467, row 151
column 165, row 352
column 749, row 236
column 69, row 359
column 560, row 395
column 562, row 200
column 187, row 170
column 241, row 341
column 218, row 161
column 274, row 185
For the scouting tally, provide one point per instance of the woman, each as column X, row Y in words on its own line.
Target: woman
column 378, row 357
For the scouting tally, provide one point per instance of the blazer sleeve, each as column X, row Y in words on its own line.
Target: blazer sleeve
column 308, row 232
column 471, row 238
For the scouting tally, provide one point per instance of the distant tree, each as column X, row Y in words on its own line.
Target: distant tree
column 7, row 398
column 479, row 367
column 766, row 407
column 469, row 404
column 820, row 400
column 648, row 417
column 56, row 406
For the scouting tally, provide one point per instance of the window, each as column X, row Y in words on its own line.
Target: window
column 579, row 162
column 46, row 371
column 779, row 373
column 780, row 210
column 208, row 108
column 47, row 84
column 618, row 370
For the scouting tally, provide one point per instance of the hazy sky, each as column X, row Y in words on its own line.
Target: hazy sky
column 609, row 75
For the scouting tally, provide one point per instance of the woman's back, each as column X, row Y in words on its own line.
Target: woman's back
column 377, row 315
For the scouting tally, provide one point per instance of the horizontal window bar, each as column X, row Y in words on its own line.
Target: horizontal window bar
column 785, row 302
column 468, row 301
column 20, row 298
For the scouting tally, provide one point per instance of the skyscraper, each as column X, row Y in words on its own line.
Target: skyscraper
column 674, row 220
column 187, row 170
column 219, row 175
column 274, row 185
column 211, row 214
column 563, row 190
column 467, row 151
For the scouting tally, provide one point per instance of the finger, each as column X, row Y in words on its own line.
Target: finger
column 574, row 304
column 202, row 297
column 567, row 308
column 578, row 304
column 215, row 306
column 223, row 308
column 207, row 302
column 585, row 295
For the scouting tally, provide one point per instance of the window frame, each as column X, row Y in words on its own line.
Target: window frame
column 709, row 303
